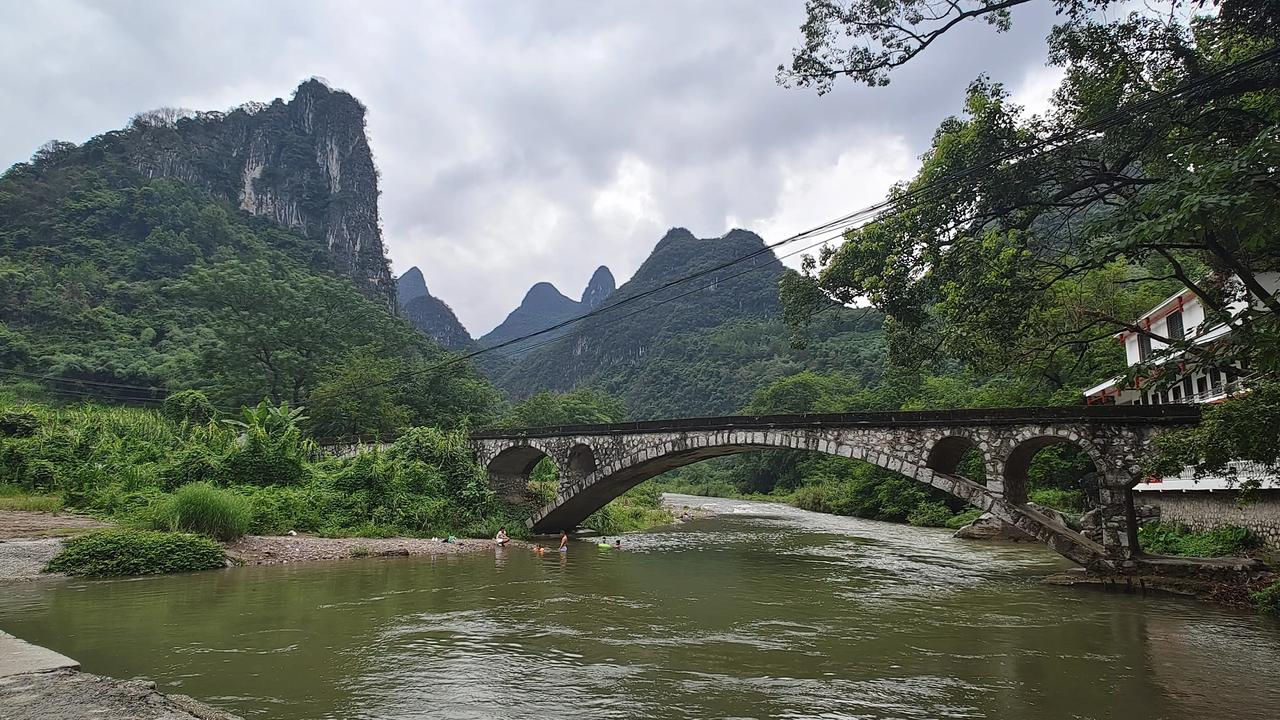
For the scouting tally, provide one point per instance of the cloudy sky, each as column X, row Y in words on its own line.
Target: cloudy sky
column 523, row 141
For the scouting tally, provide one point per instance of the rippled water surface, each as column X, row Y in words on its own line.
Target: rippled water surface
column 758, row 610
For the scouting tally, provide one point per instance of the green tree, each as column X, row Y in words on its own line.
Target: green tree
column 277, row 327
column 580, row 407
column 1031, row 261
column 358, row 397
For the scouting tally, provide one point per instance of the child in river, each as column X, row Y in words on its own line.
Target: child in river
column 501, row 538
column 564, row 541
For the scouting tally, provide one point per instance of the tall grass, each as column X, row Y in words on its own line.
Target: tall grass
column 204, row 509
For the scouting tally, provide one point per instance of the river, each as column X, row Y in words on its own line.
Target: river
column 756, row 610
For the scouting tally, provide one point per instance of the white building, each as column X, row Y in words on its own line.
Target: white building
column 1180, row 317
column 1209, row 501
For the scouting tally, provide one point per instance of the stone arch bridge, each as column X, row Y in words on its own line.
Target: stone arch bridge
column 597, row 463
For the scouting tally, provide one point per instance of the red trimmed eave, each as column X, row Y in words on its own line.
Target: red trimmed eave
column 1147, row 321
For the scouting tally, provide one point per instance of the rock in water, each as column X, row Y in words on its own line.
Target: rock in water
column 988, row 527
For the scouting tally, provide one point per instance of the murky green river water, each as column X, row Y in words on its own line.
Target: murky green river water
column 757, row 611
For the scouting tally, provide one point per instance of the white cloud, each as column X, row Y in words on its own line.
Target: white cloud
column 1036, row 88
column 521, row 142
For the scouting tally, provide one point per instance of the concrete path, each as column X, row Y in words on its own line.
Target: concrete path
column 18, row 657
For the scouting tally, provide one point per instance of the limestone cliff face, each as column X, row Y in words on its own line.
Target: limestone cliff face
column 305, row 164
column 600, row 287
column 430, row 314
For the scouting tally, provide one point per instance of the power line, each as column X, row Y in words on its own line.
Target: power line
column 103, row 383
column 917, row 193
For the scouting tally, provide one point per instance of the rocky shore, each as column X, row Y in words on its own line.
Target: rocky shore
column 280, row 549
column 39, row 684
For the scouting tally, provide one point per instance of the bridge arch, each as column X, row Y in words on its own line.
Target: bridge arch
column 928, row 446
column 582, row 460
column 948, row 451
column 510, row 468
column 642, row 461
column 1015, row 474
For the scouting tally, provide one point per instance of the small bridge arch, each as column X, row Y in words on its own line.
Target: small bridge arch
column 598, row 463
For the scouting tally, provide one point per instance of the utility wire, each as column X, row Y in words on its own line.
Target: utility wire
column 847, row 222
column 918, row 193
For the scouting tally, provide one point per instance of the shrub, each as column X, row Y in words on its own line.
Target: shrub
column 1067, row 501
column 930, row 514
column 1268, row 599
column 277, row 510
column 1172, row 539
column 207, row 510
column 104, row 553
column 18, row 423
column 190, row 406
column 959, row 520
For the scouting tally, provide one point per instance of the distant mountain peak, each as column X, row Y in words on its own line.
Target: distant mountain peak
column 429, row 314
column 600, row 287
column 411, row 285
column 543, row 292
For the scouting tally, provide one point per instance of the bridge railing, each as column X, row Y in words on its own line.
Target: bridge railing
column 1097, row 414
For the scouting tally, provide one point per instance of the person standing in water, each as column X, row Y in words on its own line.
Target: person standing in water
column 564, row 541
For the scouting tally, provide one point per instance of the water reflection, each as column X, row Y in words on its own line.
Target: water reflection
column 760, row 611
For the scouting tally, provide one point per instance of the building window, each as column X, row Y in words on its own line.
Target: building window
column 1144, row 347
column 1175, row 394
column 1215, row 379
column 1173, row 323
column 1202, row 386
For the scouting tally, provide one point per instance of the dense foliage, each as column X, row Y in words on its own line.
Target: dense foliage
column 1030, row 260
column 104, row 553
column 203, row 509
column 1172, row 539
column 259, row 473
column 1054, row 247
column 122, row 282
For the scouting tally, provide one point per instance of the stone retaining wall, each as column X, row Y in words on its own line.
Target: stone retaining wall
column 1202, row 511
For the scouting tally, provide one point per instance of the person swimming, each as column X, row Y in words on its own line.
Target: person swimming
column 501, row 538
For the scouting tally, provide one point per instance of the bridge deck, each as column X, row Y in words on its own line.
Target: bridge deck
column 1098, row 414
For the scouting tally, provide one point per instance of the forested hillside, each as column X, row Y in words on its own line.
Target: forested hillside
column 237, row 253
column 697, row 348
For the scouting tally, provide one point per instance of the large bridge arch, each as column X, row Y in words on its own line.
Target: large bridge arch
column 509, row 469
column 579, row 499
column 598, row 463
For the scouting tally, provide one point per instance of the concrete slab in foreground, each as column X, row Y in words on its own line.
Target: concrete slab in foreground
column 19, row 656
column 40, row 684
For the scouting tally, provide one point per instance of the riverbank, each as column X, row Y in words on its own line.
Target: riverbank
column 30, row 539
column 39, row 684
column 280, row 549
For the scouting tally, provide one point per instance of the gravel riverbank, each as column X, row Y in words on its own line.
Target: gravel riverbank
column 279, row 549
